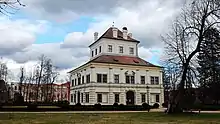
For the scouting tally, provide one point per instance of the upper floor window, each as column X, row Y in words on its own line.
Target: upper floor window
column 100, row 49
column 120, row 49
column 79, row 80
column 75, row 82
column 82, row 79
column 109, row 48
column 92, row 53
column 129, row 79
column 96, row 52
column 88, row 78
column 154, row 80
column 102, row 78
column 142, row 79
column 72, row 82
column 116, row 78
column 131, row 50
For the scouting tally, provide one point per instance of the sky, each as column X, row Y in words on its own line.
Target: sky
column 62, row 30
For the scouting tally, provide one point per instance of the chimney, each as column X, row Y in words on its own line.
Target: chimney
column 96, row 36
column 125, row 32
column 130, row 35
column 115, row 32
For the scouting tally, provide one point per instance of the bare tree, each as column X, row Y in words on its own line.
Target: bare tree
column 184, row 41
column 10, row 6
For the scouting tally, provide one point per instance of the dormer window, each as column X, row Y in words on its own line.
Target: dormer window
column 100, row 49
column 92, row 53
column 96, row 52
column 120, row 49
column 109, row 48
column 131, row 50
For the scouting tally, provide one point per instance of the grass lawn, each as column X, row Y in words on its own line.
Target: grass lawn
column 113, row 118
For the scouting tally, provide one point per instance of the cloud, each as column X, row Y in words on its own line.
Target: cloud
column 17, row 35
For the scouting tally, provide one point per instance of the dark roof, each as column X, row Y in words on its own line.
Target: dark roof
column 109, row 34
column 124, row 60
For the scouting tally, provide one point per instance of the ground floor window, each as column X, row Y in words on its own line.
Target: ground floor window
column 87, row 97
column 81, row 97
column 74, row 98
column 71, row 98
column 157, row 98
column 116, row 98
column 143, row 98
column 99, row 98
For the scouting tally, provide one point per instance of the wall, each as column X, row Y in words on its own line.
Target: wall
column 104, row 42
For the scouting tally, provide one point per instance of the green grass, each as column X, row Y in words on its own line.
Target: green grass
column 113, row 118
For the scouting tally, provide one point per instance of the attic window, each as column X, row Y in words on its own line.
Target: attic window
column 136, row 61
column 116, row 60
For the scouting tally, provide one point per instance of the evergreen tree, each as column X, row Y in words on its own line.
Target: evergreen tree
column 209, row 62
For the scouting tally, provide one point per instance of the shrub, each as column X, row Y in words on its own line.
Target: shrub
column 32, row 106
column 165, row 105
column 78, row 104
column 115, row 104
column 121, row 106
column 98, row 106
column 146, row 106
column 156, row 105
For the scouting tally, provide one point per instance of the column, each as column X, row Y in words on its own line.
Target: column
column 137, row 77
column 122, row 98
column 110, row 75
column 122, row 76
column 147, row 77
column 138, row 98
column 93, row 75
column 111, row 98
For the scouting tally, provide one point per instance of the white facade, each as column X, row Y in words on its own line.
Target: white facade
column 108, row 83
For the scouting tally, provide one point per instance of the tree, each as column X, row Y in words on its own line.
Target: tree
column 10, row 6
column 185, row 39
column 209, row 70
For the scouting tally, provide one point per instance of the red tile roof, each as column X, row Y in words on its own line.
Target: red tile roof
column 109, row 34
column 126, row 60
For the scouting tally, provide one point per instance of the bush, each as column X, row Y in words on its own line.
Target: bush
column 165, row 105
column 78, row 104
column 32, row 106
column 156, row 105
column 146, row 106
column 115, row 104
column 121, row 106
column 98, row 106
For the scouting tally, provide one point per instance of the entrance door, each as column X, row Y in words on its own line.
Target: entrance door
column 130, row 98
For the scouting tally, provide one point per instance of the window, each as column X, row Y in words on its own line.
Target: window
column 157, row 98
column 99, row 98
column 116, row 77
column 75, row 82
column 100, row 49
column 116, row 98
column 87, row 97
column 102, row 78
column 74, row 98
column 81, row 97
column 92, row 53
column 82, row 79
column 72, row 82
column 142, row 79
column 88, row 78
column 71, row 98
column 15, row 87
column 96, row 52
column 154, row 80
column 120, row 49
column 143, row 98
column 130, row 79
column 79, row 80
column 131, row 50
column 109, row 48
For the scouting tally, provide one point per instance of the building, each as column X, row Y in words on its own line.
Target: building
column 4, row 96
column 60, row 92
column 116, row 74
